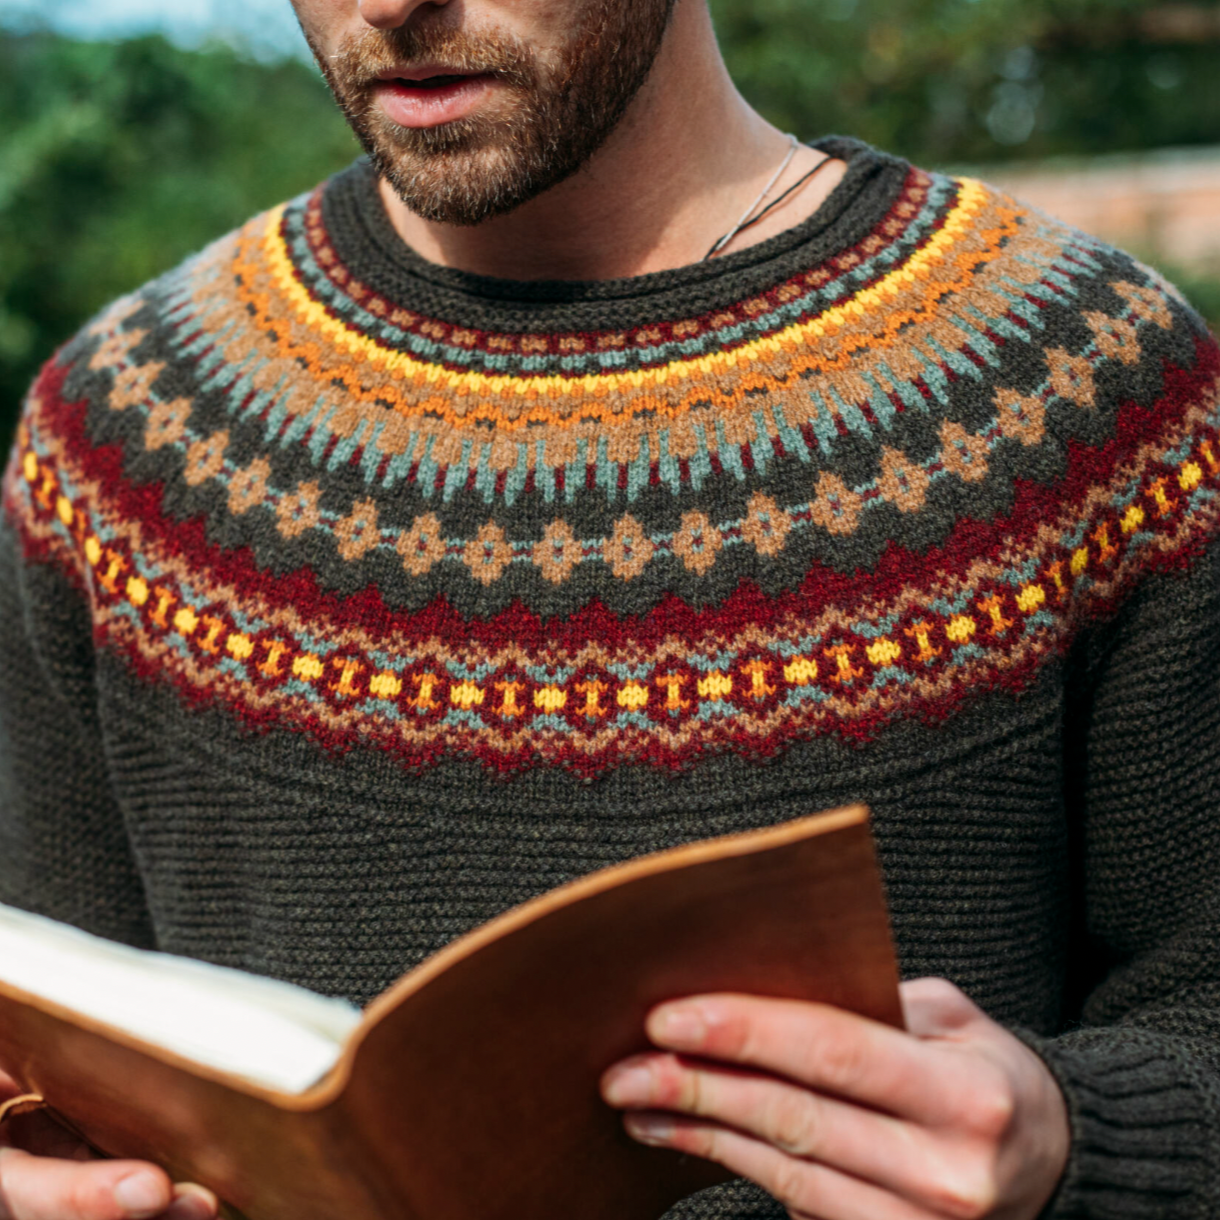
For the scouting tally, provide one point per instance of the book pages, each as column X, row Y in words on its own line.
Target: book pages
column 273, row 1033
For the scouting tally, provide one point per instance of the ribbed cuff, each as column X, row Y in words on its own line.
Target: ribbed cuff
column 1139, row 1128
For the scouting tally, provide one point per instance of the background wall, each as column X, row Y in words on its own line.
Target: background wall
column 134, row 131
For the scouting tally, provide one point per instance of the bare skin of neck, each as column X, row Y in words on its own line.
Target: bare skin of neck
column 676, row 175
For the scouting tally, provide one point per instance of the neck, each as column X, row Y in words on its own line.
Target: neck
column 688, row 157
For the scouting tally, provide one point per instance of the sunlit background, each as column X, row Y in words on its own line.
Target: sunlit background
column 134, row 131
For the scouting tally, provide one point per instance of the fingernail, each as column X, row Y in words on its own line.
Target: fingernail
column 190, row 1207
column 141, row 1195
column 628, row 1086
column 681, row 1026
column 649, row 1128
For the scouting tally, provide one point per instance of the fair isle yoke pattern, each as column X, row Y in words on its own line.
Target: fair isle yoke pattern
column 893, row 458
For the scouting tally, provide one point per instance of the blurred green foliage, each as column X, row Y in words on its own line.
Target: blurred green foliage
column 981, row 80
column 117, row 159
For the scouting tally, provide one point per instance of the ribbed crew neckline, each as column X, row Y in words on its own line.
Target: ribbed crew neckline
column 368, row 244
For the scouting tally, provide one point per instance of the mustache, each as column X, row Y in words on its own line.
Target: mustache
column 361, row 58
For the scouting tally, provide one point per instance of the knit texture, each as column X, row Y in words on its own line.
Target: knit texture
column 347, row 600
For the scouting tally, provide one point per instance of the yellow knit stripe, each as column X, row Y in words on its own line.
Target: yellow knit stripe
column 404, row 366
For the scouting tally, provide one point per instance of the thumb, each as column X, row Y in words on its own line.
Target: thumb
column 44, row 1188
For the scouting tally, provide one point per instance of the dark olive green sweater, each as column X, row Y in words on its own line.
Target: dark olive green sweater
column 346, row 601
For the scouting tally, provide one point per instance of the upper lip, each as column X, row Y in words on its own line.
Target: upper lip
column 422, row 72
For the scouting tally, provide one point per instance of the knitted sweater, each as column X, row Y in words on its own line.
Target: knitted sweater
column 347, row 600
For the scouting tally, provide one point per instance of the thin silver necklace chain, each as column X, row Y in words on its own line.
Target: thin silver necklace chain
column 745, row 216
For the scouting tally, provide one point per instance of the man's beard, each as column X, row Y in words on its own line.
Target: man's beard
column 466, row 171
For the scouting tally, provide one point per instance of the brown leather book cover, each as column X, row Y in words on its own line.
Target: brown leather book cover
column 469, row 1090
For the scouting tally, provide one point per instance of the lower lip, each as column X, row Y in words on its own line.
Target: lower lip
column 411, row 106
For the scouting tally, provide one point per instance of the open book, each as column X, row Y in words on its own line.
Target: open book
column 468, row 1090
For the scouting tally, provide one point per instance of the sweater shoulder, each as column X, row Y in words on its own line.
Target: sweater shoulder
column 109, row 339
column 206, row 275
column 1098, row 276
column 1108, row 337
column 104, row 364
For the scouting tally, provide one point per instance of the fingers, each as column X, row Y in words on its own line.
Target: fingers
column 42, row 1188
column 875, row 1148
column 794, row 1120
column 804, row 1188
column 823, row 1048
column 192, row 1202
column 934, row 1008
column 841, row 1117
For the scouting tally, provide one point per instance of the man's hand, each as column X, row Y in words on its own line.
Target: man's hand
column 841, row 1118
column 46, row 1173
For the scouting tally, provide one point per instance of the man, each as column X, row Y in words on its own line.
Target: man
column 594, row 470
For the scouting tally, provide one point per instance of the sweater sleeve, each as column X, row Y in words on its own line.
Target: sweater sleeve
column 63, row 846
column 1140, row 1066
